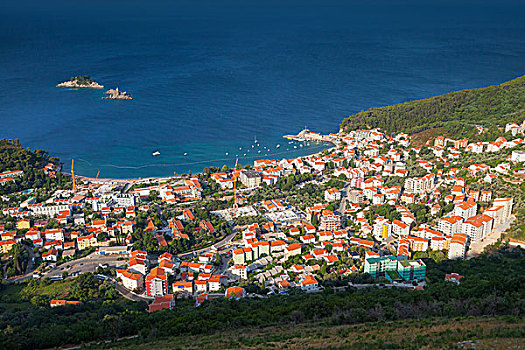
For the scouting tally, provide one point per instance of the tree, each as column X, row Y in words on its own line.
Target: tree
column 314, row 220
column 153, row 195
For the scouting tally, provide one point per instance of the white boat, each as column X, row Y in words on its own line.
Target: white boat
column 244, row 155
column 301, row 145
column 156, row 153
column 227, row 153
column 185, row 153
column 277, row 146
column 259, row 151
column 294, row 146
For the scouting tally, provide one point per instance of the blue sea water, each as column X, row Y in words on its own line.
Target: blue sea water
column 207, row 77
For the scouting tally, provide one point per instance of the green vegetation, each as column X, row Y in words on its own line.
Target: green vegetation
column 508, row 187
column 17, row 264
column 83, row 79
column 298, row 190
column 458, row 112
column 506, row 332
column 198, row 238
column 493, row 286
column 14, row 157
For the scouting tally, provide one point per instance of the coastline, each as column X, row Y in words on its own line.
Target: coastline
column 159, row 178
column 71, row 84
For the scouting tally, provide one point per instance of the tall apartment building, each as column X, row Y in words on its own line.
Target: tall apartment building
column 477, row 227
column 507, row 204
column 420, row 185
column 458, row 246
column 450, row 224
column 497, row 213
column 329, row 221
column 410, row 270
column 466, row 209
column 156, row 282
column 394, row 268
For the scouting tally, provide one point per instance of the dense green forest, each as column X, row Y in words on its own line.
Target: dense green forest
column 493, row 286
column 458, row 112
column 15, row 157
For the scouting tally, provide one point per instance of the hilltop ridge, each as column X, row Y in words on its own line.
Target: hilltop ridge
column 457, row 112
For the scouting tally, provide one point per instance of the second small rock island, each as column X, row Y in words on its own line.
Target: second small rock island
column 116, row 94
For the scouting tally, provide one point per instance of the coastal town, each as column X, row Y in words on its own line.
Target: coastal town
column 363, row 212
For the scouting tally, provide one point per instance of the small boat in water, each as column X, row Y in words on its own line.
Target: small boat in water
column 156, row 153
column 227, row 153
column 185, row 154
column 278, row 146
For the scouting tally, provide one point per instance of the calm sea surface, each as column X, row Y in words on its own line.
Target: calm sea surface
column 208, row 77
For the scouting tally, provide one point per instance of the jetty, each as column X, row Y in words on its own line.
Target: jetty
column 307, row 135
column 81, row 81
column 116, row 94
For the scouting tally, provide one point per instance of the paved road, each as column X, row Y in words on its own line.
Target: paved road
column 225, row 241
column 130, row 296
column 86, row 264
column 342, row 203
column 385, row 285
column 223, row 266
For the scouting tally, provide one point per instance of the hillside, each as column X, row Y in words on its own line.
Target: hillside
column 492, row 287
column 506, row 332
column 458, row 112
column 15, row 157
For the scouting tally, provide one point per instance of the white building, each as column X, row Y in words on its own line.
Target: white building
column 131, row 280
column 466, row 209
column 56, row 234
column 507, row 204
column 450, row 225
column 332, row 195
column 477, row 227
column 458, row 246
column 518, row 156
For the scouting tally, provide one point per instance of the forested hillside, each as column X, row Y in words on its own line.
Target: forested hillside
column 458, row 112
column 492, row 286
column 14, row 157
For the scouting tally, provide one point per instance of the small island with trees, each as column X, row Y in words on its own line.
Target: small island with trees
column 116, row 94
column 81, row 81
